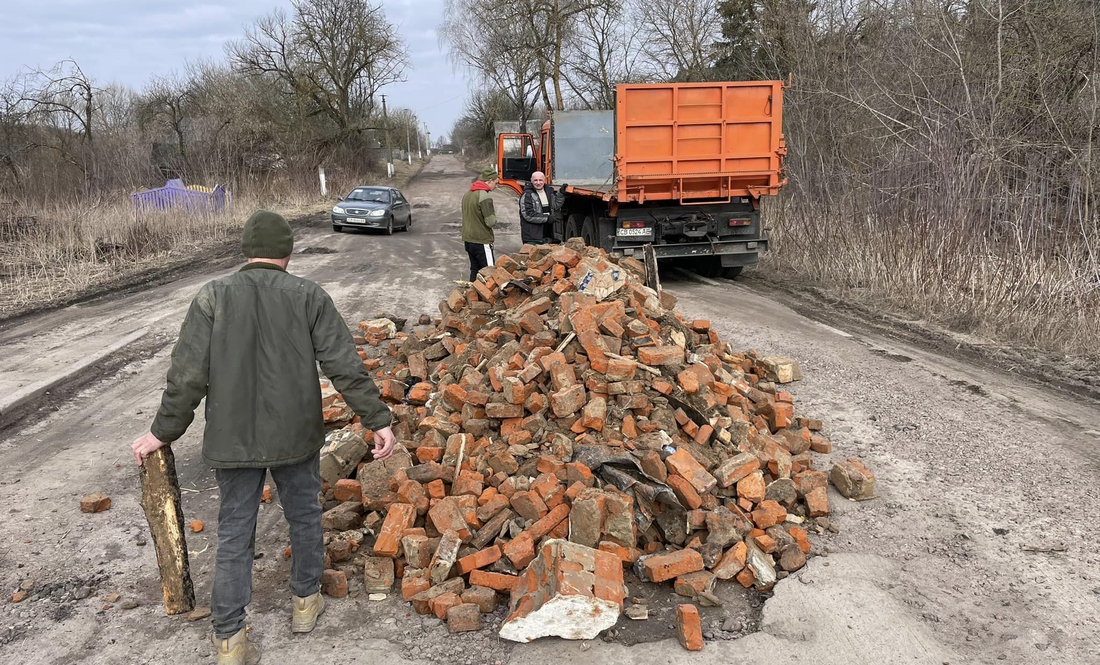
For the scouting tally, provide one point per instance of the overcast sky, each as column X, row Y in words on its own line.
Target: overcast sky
column 131, row 40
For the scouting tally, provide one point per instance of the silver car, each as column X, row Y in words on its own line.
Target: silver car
column 367, row 207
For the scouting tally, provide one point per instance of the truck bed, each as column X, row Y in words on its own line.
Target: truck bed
column 690, row 141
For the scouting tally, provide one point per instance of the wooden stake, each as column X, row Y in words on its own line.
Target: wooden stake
column 652, row 279
column 160, row 498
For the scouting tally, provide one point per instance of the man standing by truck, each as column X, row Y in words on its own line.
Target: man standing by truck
column 250, row 344
column 478, row 219
column 534, row 209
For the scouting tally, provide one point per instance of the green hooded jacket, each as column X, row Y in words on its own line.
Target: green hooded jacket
column 250, row 344
column 478, row 215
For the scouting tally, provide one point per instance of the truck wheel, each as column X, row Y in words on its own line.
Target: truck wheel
column 588, row 232
column 572, row 227
column 709, row 266
column 732, row 272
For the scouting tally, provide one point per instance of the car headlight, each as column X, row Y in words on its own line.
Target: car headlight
column 338, row 210
column 376, row 213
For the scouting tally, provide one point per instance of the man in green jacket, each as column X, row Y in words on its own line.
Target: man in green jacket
column 478, row 219
column 250, row 344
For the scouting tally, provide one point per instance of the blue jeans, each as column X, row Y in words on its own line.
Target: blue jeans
column 241, row 490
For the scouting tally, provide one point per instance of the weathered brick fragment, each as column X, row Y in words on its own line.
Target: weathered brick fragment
column 570, row 591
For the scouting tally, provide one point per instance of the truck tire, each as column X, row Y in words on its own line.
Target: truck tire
column 572, row 227
column 708, row 266
column 732, row 272
column 588, row 232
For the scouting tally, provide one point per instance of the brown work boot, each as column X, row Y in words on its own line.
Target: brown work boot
column 236, row 650
column 306, row 611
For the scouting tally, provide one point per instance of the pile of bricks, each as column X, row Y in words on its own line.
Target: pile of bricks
column 561, row 422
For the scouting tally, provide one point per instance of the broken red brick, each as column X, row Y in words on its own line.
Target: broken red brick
column 479, row 559
column 334, row 583
column 95, row 503
column 446, row 515
column 735, row 468
column 662, row 567
column 687, row 495
column 497, row 581
column 689, row 627
column 566, row 577
column 682, row 463
column 852, row 479
column 442, row 604
column 347, row 489
column 464, row 618
column 732, row 562
column 817, row 502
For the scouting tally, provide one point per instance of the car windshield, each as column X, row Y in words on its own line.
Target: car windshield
column 372, row 195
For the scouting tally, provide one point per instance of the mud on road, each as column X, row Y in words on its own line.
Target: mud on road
column 979, row 548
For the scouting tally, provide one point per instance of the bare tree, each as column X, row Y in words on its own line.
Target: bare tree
column 605, row 51
column 494, row 50
column 16, row 133
column 168, row 101
column 331, row 56
column 681, row 36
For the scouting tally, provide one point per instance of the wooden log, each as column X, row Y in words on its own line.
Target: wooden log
column 652, row 278
column 160, row 498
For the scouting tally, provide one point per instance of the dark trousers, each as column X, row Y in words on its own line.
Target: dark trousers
column 241, row 490
column 480, row 256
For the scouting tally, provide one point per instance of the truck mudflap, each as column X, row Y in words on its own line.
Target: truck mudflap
column 708, row 248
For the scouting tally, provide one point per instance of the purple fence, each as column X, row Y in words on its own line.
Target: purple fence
column 175, row 196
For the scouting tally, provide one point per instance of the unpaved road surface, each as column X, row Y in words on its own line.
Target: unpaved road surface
column 981, row 546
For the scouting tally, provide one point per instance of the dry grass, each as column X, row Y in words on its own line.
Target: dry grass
column 57, row 251
column 51, row 253
column 1016, row 286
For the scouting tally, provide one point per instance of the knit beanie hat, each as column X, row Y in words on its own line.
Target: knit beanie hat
column 267, row 235
column 488, row 173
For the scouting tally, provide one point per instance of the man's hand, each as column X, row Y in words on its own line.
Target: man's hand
column 147, row 445
column 384, row 442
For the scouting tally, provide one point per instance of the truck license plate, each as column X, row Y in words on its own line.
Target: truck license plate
column 626, row 233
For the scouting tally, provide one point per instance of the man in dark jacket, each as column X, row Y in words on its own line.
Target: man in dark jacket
column 250, row 344
column 478, row 219
column 535, row 206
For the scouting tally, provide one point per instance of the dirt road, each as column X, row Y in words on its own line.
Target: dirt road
column 980, row 548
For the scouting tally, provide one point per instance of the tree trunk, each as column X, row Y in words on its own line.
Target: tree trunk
column 160, row 498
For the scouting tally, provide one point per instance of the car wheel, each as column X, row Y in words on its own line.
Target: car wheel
column 337, row 228
column 732, row 272
column 409, row 223
column 389, row 226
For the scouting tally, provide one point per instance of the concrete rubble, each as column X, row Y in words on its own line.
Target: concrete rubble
column 558, row 423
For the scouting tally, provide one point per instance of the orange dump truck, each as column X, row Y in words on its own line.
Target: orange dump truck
column 681, row 166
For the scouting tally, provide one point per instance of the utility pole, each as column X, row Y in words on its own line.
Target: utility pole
column 419, row 153
column 408, row 145
column 429, row 143
column 389, row 149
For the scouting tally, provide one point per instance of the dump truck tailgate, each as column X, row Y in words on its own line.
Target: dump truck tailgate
column 698, row 141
